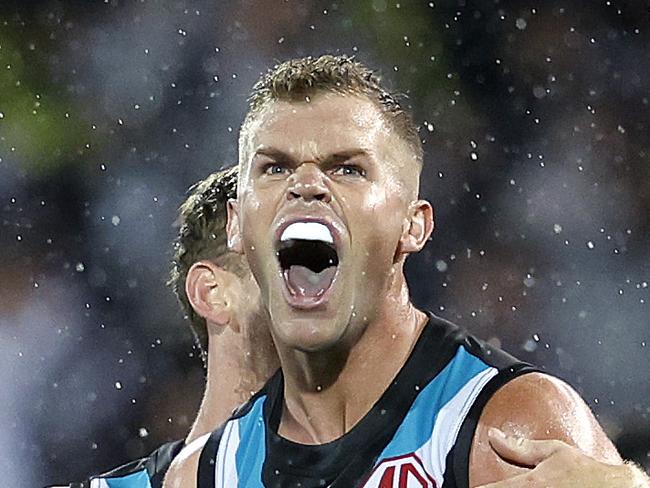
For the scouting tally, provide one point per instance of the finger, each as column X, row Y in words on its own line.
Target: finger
column 522, row 451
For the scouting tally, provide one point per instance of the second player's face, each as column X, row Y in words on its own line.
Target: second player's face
column 324, row 196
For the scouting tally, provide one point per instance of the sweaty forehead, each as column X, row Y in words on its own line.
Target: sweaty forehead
column 325, row 124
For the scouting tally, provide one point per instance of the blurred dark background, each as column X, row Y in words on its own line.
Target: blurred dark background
column 536, row 122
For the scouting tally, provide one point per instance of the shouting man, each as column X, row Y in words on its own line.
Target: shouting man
column 372, row 392
column 234, row 341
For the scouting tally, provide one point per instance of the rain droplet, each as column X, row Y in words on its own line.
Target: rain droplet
column 118, row 385
column 539, row 91
column 590, row 245
column 529, row 281
column 530, row 346
column 441, row 265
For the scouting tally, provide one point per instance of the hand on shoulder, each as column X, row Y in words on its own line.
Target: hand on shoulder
column 536, row 406
column 559, row 465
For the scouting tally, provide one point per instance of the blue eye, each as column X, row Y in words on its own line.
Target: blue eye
column 275, row 169
column 349, row 170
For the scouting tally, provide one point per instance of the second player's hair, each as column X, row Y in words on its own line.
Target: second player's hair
column 201, row 235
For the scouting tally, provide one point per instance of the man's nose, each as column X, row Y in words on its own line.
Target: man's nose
column 308, row 182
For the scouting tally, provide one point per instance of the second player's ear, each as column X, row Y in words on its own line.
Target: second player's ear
column 233, row 227
column 417, row 228
column 208, row 290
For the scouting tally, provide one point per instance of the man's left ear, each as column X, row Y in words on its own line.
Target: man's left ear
column 417, row 228
column 232, row 227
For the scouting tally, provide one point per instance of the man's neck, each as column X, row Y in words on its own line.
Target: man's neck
column 238, row 365
column 327, row 394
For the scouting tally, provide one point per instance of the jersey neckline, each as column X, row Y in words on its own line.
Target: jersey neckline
column 325, row 461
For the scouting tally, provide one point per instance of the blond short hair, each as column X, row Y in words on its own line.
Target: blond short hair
column 298, row 79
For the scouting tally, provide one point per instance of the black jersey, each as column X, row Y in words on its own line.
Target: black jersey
column 147, row 472
column 418, row 434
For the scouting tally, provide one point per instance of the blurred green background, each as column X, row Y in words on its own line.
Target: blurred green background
column 534, row 117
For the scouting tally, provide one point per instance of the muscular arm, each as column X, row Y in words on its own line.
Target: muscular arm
column 536, row 406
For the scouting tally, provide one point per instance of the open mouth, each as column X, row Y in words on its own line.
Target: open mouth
column 308, row 260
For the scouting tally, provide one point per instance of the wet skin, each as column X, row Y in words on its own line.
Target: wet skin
column 335, row 160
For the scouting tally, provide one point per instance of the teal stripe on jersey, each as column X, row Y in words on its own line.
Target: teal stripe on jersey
column 251, row 453
column 418, row 423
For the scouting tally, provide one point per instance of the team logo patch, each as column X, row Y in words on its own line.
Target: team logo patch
column 400, row 472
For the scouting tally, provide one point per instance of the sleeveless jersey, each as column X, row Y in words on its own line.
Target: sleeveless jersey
column 417, row 435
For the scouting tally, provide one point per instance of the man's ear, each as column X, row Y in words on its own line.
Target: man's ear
column 233, row 228
column 417, row 228
column 208, row 289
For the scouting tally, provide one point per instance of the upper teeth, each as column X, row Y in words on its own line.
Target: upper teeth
column 309, row 231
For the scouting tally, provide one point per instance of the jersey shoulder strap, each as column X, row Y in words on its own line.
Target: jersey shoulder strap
column 146, row 472
column 208, row 457
column 508, row 368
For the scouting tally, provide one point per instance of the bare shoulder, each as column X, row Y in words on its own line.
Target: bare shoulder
column 182, row 472
column 536, row 406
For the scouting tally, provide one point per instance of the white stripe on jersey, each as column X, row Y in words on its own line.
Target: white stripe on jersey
column 225, row 473
column 448, row 423
column 98, row 483
column 191, row 448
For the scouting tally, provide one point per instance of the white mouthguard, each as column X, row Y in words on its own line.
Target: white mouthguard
column 308, row 231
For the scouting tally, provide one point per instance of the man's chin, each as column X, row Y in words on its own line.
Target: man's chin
column 308, row 332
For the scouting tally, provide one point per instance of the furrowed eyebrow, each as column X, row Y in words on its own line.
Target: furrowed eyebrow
column 274, row 154
column 330, row 160
column 343, row 156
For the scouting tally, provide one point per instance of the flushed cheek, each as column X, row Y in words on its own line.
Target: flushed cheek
column 375, row 199
column 382, row 210
column 255, row 238
column 251, row 202
column 378, row 219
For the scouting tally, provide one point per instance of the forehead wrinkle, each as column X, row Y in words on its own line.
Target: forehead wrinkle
column 370, row 126
column 320, row 144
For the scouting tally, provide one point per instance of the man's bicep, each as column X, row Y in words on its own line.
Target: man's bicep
column 536, row 406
